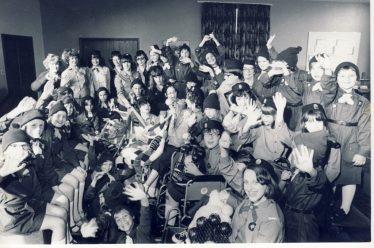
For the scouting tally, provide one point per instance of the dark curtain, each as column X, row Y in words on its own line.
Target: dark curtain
column 252, row 30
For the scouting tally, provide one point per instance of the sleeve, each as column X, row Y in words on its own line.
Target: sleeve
column 69, row 153
column 92, row 159
column 64, row 78
column 96, row 123
column 143, row 230
column 198, row 53
column 317, row 182
column 46, row 172
column 221, row 51
column 89, row 194
column 270, row 231
column 329, row 87
column 364, row 123
column 273, row 53
column 291, row 89
column 107, row 78
column 231, row 173
column 286, row 135
column 39, row 81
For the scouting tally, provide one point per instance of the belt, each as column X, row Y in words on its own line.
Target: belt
column 300, row 211
column 343, row 123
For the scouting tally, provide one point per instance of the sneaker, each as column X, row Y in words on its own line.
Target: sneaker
column 180, row 238
column 338, row 216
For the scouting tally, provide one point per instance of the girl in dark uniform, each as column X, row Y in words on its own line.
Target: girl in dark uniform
column 22, row 207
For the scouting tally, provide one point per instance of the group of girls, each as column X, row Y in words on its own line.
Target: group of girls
column 281, row 137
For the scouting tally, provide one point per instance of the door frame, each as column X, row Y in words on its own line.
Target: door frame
column 5, row 56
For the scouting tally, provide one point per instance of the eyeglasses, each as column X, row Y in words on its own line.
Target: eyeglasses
column 211, row 134
column 140, row 58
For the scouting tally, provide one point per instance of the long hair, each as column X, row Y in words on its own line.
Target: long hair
column 265, row 175
column 310, row 115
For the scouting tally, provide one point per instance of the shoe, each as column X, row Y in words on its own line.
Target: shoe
column 180, row 238
column 338, row 216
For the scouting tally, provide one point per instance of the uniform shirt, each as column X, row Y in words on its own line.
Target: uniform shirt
column 78, row 80
column 20, row 201
column 353, row 139
column 304, row 192
column 268, row 142
column 269, row 227
column 122, row 82
column 317, row 96
column 180, row 127
column 100, row 77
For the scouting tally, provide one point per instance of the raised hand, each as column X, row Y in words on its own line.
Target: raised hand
column 205, row 68
column 136, row 192
column 225, row 140
column 13, row 165
column 269, row 43
column 191, row 120
column 302, row 158
column 279, row 100
column 89, row 229
column 171, row 40
column 26, row 104
column 324, row 60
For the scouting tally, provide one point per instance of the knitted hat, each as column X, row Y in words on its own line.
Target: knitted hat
column 211, row 101
column 233, row 65
column 58, row 106
column 263, row 52
column 313, row 107
column 213, row 124
column 64, row 90
column 269, row 102
column 347, row 65
column 290, row 56
column 13, row 136
column 31, row 115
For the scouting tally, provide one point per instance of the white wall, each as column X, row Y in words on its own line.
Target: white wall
column 65, row 21
column 19, row 17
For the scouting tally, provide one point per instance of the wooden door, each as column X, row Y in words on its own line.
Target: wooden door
column 19, row 64
column 106, row 46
